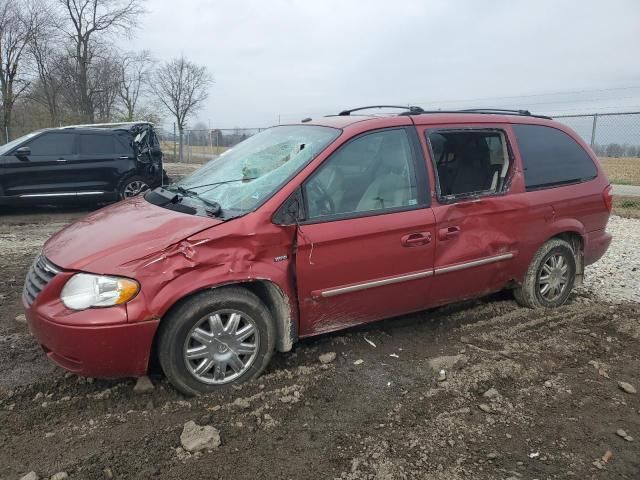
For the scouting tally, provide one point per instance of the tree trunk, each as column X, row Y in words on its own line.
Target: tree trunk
column 181, row 138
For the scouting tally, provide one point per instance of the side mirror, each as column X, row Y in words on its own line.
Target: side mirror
column 23, row 153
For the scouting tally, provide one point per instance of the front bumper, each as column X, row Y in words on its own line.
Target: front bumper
column 95, row 350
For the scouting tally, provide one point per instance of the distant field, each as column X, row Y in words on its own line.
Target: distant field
column 167, row 148
column 625, row 171
column 627, row 206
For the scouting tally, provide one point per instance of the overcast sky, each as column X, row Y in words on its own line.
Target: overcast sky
column 307, row 58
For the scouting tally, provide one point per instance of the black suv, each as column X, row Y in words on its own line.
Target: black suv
column 89, row 162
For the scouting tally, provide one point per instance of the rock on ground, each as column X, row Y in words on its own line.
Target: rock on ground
column 627, row 387
column 59, row 476
column 143, row 385
column 447, row 362
column 195, row 437
column 30, row 476
column 327, row 357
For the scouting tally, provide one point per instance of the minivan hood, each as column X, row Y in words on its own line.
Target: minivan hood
column 121, row 233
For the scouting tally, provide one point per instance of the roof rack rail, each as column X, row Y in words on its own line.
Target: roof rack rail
column 412, row 110
column 487, row 111
column 99, row 125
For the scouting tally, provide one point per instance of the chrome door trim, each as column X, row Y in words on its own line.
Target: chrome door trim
column 474, row 263
column 64, row 194
column 375, row 283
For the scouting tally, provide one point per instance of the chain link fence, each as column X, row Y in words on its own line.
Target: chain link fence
column 199, row 146
column 615, row 137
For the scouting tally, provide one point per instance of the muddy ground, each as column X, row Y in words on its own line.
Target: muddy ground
column 375, row 412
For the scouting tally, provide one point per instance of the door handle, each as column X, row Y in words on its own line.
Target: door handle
column 448, row 233
column 416, row 239
column 123, row 157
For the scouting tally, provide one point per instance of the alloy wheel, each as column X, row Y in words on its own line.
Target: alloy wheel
column 221, row 346
column 134, row 188
column 553, row 277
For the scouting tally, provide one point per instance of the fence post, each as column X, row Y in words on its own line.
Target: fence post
column 593, row 130
column 174, row 142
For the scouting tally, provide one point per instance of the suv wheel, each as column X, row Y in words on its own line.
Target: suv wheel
column 550, row 277
column 133, row 186
column 219, row 337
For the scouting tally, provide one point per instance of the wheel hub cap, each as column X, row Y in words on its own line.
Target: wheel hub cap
column 221, row 347
column 553, row 277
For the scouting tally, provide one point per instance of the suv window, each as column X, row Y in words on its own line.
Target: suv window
column 551, row 157
column 52, row 143
column 123, row 144
column 374, row 172
column 469, row 161
column 96, row 143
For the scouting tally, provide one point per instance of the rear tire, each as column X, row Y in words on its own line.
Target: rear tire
column 216, row 338
column 550, row 276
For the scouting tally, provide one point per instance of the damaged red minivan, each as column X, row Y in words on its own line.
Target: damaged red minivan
column 313, row 227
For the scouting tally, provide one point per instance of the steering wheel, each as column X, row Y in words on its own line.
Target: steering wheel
column 321, row 199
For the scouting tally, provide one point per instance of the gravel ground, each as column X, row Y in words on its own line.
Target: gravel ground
column 524, row 395
column 616, row 277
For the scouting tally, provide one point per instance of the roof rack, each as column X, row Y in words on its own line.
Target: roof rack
column 411, row 110
column 100, row 125
column 414, row 110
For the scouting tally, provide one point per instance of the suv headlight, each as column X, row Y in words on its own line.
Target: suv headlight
column 84, row 290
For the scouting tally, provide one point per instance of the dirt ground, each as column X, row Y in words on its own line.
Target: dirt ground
column 527, row 395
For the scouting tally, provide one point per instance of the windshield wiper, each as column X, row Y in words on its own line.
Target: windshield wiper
column 215, row 184
column 186, row 192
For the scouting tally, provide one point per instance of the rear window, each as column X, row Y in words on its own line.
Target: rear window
column 93, row 143
column 551, row 157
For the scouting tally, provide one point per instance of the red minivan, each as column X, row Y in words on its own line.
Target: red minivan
column 313, row 227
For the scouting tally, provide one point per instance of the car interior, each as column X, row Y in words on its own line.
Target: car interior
column 469, row 162
column 374, row 172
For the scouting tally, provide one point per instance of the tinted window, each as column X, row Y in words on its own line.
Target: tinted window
column 123, row 145
column 551, row 157
column 52, row 144
column 372, row 172
column 95, row 143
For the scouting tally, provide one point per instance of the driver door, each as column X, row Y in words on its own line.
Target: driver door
column 366, row 248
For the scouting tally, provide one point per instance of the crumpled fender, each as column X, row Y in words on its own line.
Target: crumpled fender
column 228, row 253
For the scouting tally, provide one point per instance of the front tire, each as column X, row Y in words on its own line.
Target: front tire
column 550, row 276
column 132, row 186
column 217, row 338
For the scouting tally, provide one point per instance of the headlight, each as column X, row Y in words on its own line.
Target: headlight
column 84, row 290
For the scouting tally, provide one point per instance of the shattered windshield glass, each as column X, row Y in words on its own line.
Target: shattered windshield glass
column 253, row 170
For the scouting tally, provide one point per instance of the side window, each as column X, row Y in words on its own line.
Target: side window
column 96, row 144
column 551, row 157
column 374, row 172
column 52, row 143
column 123, row 144
column 469, row 162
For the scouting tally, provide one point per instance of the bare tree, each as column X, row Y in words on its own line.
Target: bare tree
column 86, row 21
column 47, row 53
column 134, row 79
column 182, row 87
column 18, row 21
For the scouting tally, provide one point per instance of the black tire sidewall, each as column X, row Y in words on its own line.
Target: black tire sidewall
column 569, row 257
column 181, row 321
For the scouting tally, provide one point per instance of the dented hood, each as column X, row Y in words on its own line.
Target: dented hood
column 121, row 233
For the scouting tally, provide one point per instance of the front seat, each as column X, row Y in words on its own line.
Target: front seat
column 391, row 187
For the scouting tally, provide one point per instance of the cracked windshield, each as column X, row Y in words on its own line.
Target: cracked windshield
column 252, row 171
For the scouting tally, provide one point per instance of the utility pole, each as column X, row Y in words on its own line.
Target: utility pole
column 593, row 130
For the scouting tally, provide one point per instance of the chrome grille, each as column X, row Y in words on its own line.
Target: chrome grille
column 39, row 275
